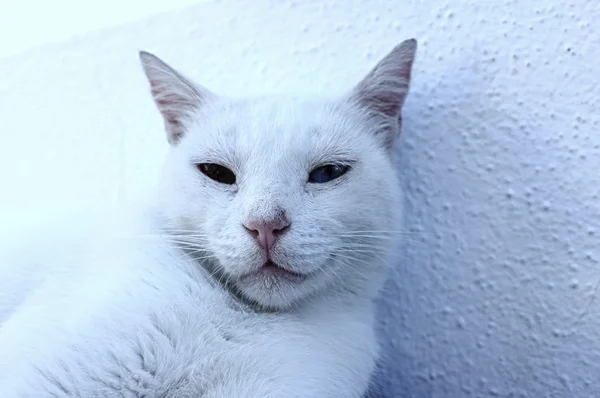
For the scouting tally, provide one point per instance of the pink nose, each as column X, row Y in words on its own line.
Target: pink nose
column 266, row 231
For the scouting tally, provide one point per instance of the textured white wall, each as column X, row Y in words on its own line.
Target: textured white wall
column 501, row 153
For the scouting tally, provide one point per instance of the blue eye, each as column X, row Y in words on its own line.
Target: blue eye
column 326, row 173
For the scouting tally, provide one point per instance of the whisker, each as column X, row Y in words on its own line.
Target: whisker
column 362, row 261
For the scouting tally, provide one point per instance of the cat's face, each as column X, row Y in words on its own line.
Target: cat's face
column 285, row 197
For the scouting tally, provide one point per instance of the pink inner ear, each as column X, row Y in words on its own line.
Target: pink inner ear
column 171, row 117
column 390, row 103
column 155, row 92
column 405, row 73
column 387, row 102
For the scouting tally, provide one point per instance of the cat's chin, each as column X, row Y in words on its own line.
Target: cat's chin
column 271, row 272
column 272, row 286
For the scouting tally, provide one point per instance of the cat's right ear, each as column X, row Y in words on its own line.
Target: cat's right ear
column 176, row 97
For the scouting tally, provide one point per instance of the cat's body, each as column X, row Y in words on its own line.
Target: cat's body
column 139, row 319
column 252, row 274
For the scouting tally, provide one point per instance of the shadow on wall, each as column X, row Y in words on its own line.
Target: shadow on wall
column 485, row 299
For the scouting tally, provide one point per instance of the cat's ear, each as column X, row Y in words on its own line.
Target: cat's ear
column 383, row 91
column 176, row 97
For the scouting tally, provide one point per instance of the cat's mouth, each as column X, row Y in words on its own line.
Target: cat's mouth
column 270, row 270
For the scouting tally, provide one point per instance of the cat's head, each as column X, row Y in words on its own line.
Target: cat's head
column 285, row 197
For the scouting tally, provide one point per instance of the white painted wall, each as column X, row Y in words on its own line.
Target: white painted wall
column 25, row 23
column 501, row 153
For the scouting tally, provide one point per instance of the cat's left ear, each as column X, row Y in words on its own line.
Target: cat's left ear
column 176, row 97
column 383, row 91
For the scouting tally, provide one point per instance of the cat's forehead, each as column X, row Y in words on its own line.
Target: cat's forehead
column 278, row 125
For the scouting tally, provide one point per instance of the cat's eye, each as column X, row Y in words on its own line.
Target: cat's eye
column 217, row 172
column 326, row 173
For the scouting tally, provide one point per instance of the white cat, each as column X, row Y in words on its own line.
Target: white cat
column 252, row 274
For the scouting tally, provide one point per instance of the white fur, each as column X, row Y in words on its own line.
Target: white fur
column 130, row 306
